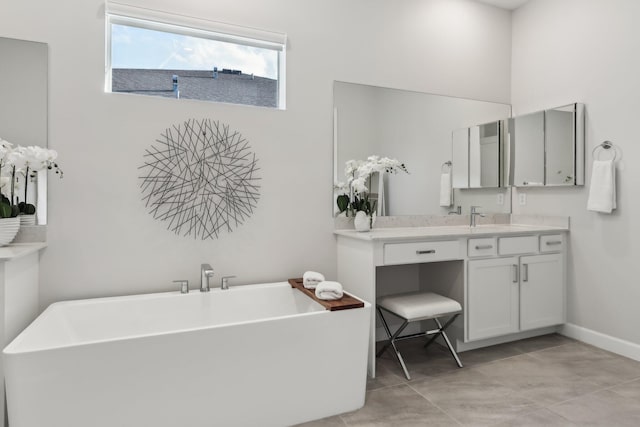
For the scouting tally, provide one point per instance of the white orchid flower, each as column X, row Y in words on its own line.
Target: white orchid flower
column 5, row 183
column 350, row 167
column 358, row 185
column 365, row 169
column 341, row 187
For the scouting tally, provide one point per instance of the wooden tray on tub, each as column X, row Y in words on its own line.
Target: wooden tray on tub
column 344, row 303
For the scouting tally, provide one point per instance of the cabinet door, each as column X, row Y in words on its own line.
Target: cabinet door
column 492, row 297
column 541, row 291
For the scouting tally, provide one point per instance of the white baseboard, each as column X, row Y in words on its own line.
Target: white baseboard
column 472, row 345
column 603, row 341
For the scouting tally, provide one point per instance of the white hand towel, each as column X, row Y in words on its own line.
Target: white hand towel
column 329, row 290
column 602, row 191
column 445, row 189
column 310, row 279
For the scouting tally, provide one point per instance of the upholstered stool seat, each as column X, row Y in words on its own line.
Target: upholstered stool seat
column 414, row 307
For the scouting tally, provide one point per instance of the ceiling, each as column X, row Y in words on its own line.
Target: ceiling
column 505, row 4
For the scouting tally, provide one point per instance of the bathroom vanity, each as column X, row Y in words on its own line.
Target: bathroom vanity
column 509, row 278
column 19, row 278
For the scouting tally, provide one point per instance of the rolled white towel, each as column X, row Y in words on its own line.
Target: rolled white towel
column 329, row 291
column 310, row 279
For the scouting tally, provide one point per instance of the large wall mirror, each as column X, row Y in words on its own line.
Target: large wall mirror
column 23, row 110
column 415, row 128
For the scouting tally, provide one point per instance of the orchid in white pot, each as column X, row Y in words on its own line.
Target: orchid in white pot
column 354, row 195
column 20, row 165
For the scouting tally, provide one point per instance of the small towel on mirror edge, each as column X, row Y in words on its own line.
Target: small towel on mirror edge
column 602, row 189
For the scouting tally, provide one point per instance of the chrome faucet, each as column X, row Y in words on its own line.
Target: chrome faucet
column 474, row 215
column 458, row 211
column 224, row 283
column 184, row 286
column 205, row 273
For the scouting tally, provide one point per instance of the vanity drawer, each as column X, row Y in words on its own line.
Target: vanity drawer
column 482, row 247
column 517, row 245
column 552, row 243
column 409, row 253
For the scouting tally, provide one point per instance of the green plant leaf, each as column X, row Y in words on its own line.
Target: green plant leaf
column 5, row 210
column 343, row 202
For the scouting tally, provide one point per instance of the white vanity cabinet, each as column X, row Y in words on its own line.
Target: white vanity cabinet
column 493, row 298
column 19, row 294
column 514, row 294
column 510, row 279
column 542, row 290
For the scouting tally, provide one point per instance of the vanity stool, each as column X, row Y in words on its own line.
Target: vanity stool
column 414, row 307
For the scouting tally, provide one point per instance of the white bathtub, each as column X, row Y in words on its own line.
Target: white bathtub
column 257, row 355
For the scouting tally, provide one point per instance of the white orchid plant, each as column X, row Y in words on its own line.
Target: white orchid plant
column 354, row 193
column 18, row 166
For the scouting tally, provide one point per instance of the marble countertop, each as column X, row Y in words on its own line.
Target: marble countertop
column 17, row 250
column 412, row 233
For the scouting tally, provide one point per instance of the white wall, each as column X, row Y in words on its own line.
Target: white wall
column 586, row 51
column 101, row 239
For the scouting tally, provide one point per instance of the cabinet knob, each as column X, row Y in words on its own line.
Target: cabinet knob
column 554, row 242
column 426, row 251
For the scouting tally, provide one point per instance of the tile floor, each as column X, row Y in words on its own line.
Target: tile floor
column 543, row 381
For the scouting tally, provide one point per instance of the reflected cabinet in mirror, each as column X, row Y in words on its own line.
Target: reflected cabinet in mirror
column 547, row 147
column 23, row 110
column 416, row 129
column 478, row 156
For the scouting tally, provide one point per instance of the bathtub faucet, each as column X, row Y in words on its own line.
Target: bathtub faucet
column 205, row 273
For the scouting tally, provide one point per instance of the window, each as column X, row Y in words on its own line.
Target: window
column 158, row 54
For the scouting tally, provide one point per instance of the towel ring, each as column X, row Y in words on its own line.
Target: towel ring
column 446, row 165
column 606, row 145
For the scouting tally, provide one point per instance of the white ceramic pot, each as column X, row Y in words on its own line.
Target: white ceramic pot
column 362, row 222
column 27, row 219
column 8, row 229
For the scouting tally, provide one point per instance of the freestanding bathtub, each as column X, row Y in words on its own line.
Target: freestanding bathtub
column 256, row 355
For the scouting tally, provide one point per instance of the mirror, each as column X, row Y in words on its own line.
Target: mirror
column 485, row 159
column 564, row 145
column 23, row 110
column 526, row 137
column 460, row 158
column 415, row 128
column 547, row 147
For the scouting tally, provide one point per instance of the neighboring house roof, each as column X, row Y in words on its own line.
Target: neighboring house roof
column 233, row 87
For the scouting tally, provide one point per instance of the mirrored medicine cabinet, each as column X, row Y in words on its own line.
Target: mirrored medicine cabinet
column 544, row 148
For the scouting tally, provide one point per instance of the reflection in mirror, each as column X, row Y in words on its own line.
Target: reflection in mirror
column 485, row 147
column 564, row 145
column 415, row 128
column 526, row 137
column 460, row 158
column 559, row 137
column 23, row 110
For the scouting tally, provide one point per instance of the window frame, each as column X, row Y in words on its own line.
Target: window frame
column 194, row 27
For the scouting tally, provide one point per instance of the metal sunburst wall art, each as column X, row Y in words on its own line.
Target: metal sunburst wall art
column 200, row 177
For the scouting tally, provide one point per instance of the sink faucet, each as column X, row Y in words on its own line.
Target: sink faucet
column 474, row 215
column 224, row 283
column 458, row 211
column 205, row 273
